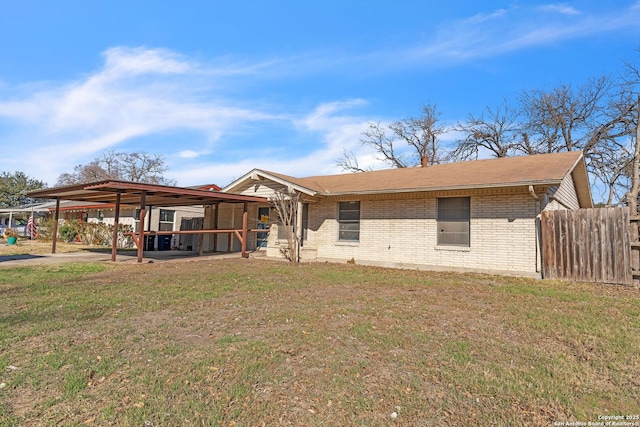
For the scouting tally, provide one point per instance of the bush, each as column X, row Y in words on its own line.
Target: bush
column 45, row 230
column 88, row 233
column 101, row 234
column 68, row 232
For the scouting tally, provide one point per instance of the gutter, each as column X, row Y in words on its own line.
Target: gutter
column 443, row 188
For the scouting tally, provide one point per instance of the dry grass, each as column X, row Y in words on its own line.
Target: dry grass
column 253, row 342
column 39, row 247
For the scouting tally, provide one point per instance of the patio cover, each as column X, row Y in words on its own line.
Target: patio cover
column 141, row 195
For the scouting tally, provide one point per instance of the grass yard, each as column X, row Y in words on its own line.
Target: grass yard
column 253, row 342
column 39, row 247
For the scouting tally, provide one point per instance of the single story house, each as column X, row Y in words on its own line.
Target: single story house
column 480, row 215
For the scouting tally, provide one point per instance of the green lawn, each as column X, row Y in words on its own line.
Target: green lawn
column 252, row 342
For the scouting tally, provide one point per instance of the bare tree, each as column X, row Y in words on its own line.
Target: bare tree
column 377, row 138
column 421, row 134
column 495, row 134
column 631, row 78
column 594, row 118
column 285, row 203
column 632, row 196
column 403, row 143
column 610, row 151
column 349, row 162
column 135, row 167
column 599, row 117
column 564, row 119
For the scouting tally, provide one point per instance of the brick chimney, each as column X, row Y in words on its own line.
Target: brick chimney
column 423, row 161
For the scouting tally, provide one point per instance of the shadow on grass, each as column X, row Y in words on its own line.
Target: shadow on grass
column 17, row 257
column 101, row 250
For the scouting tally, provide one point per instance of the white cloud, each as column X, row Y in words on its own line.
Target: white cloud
column 136, row 93
column 515, row 28
column 481, row 18
column 190, row 154
column 140, row 93
column 323, row 118
column 126, row 61
column 328, row 127
column 561, row 8
column 335, row 128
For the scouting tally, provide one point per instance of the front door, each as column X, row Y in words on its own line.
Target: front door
column 263, row 224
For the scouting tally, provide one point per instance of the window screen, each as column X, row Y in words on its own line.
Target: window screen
column 454, row 216
column 349, row 221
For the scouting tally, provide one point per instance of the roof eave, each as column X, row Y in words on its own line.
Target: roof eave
column 251, row 176
column 581, row 182
column 131, row 192
column 443, row 188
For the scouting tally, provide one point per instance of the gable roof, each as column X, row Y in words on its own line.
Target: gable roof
column 541, row 169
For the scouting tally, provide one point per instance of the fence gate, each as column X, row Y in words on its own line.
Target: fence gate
column 587, row 245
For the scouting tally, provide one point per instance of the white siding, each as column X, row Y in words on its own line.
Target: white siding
column 229, row 218
column 564, row 196
column 261, row 188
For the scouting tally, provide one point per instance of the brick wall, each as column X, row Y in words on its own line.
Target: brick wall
column 404, row 232
column 401, row 229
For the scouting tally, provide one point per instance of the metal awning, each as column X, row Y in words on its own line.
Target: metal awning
column 141, row 195
column 131, row 194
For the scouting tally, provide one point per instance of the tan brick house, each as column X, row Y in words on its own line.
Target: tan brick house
column 478, row 215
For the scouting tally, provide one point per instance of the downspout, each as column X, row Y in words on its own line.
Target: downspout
column 538, row 233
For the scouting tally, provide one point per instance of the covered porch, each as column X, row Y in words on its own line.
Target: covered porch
column 142, row 196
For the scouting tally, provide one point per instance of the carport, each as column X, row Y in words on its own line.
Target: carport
column 142, row 195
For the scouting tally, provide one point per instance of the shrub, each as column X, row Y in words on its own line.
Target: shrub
column 45, row 230
column 68, row 232
column 100, row 234
column 89, row 233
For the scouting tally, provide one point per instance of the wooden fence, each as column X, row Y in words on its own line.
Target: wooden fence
column 587, row 245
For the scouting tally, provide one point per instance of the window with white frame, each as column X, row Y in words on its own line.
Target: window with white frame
column 454, row 220
column 136, row 219
column 349, row 221
column 166, row 220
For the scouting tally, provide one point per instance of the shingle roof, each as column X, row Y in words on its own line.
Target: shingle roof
column 540, row 169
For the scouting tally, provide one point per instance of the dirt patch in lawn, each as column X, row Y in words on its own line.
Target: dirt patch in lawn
column 40, row 247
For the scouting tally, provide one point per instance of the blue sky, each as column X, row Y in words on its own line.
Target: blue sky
column 221, row 87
